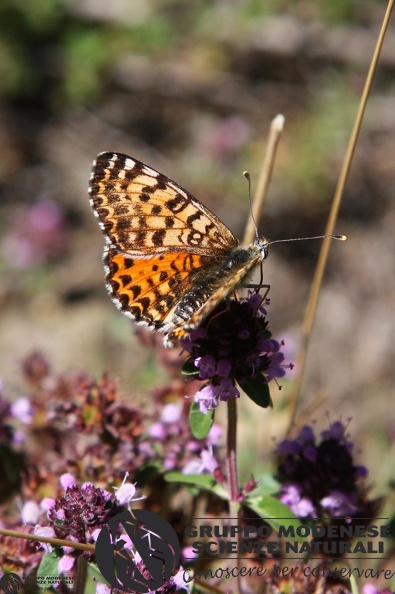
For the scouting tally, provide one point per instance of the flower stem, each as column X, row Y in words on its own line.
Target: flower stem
column 233, row 481
column 82, row 570
column 231, row 451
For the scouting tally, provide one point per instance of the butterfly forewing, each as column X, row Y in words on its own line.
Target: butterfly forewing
column 142, row 212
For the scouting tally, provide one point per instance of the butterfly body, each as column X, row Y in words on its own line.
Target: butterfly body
column 168, row 260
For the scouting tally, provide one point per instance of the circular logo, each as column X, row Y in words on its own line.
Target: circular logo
column 137, row 551
column 10, row 583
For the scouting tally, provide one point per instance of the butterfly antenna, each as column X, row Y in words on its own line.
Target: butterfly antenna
column 248, row 178
column 339, row 237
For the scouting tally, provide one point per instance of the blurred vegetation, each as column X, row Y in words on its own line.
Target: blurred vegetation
column 48, row 51
column 45, row 47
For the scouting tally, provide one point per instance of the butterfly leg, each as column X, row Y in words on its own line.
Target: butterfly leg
column 227, row 301
column 260, row 285
column 257, row 288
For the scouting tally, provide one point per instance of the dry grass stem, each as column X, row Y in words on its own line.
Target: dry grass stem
column 276, row 128
column 322, row 260
column 56, row 542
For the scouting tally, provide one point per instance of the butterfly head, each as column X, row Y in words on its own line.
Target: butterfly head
column 261, row 244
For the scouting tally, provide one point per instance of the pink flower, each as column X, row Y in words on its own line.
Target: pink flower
column 67, row 481
column 47, row 503
column 206, row 398
column 66, row 564
column 30, row 512
column 46, row 532
column 21, row 409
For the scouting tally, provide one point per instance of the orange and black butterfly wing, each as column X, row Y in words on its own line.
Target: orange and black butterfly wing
column 143, row 213
column 166, row 253
column 148, row 290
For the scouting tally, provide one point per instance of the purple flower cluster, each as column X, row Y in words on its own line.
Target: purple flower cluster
column 82, row 419
column 233, row 346
column 37, row 236
column 81, row 512
column 221, row 139
column 321, row 479
column 19, row 412
column 179, row 449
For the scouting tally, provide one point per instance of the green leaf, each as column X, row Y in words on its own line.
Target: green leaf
column 201, row 423
column 48, row 570
column 267, row 485
column 257, row 389
column 200, row 481
column 147, row 474
column 354, row 584
column 93, row 576
column 189, row 368
column 275, row 513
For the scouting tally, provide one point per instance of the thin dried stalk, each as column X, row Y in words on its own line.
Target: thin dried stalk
column 56, row 542
column 276, row 128
column 311, row 307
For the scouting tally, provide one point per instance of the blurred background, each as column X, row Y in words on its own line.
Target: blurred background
column 190, row 88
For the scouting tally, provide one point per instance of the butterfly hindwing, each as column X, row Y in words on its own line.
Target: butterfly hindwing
column 147, row 290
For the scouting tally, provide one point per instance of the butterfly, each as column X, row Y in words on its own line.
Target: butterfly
column 169, row 261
